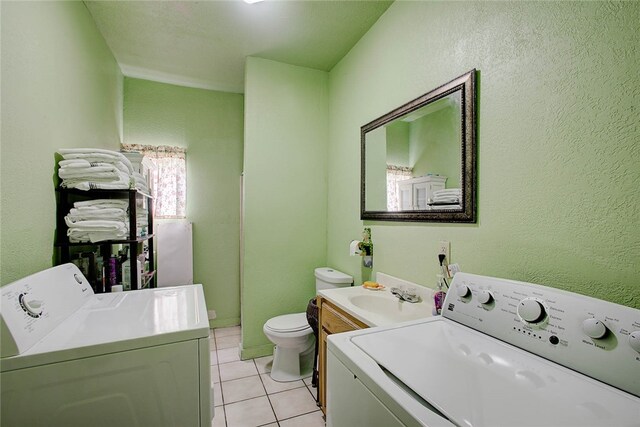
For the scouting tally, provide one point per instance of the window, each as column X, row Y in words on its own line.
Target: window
column 395, row 174
column 168, row 178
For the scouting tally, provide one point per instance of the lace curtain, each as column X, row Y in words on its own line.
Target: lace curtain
column 168, row 178
column 394, row 175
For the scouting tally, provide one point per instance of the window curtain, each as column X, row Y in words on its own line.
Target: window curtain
column 168, row 178
column 394, row 175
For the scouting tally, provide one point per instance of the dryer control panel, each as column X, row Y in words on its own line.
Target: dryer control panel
column 597, row 338
column 32, row 307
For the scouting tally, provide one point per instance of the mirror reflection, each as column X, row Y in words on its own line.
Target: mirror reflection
column 418, row 161
column 413, row 162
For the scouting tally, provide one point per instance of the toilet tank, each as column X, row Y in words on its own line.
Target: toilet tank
column 328, row 278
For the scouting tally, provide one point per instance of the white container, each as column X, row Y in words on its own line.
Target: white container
column 126, row 274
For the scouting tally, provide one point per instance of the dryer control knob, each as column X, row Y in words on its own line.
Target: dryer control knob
column 594, row 328
column 634, row 340
column 485, row 297
column 531, row 310
column 463, row 290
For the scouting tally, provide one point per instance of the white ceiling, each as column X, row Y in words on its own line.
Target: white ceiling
column 204, row 43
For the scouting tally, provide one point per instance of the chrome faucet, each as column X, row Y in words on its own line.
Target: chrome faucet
column 408, row 296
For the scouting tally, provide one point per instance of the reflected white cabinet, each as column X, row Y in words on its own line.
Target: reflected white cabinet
column 415, row 192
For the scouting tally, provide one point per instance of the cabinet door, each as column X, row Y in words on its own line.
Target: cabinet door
column 405, row 193
column 421, row 191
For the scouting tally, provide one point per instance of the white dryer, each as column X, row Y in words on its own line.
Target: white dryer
column 74, row 358
column 504, row 353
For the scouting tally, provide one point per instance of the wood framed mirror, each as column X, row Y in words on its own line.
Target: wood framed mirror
column 418, row 162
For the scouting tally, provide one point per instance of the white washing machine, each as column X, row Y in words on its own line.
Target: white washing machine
column 74, row 358
column 503, row 353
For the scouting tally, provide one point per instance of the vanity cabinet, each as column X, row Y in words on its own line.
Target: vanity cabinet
column 332, row 320
column 414, row 193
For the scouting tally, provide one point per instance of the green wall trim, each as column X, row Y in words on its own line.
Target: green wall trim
column 256, row 351
column 223, row 323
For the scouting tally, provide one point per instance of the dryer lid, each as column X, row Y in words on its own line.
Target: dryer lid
column 288, row 323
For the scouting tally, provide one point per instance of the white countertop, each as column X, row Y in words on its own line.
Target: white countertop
column 381, row 307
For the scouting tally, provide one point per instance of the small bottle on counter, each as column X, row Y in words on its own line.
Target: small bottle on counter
column 438, row 296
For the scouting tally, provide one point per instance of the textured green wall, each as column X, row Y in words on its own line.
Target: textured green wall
column 209, row 124
column 61, row 87
column 285, row 193
column 558, row 151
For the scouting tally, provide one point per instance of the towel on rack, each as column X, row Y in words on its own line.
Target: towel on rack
column 123, row 182
column 96, row 155
column 83, row 214
column 102, row 203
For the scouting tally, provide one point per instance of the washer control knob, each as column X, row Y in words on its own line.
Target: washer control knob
column 594, row 328
column 531, row 310
column 485, row 297
column 634, row 340
column 463, row 290
column 32, row 307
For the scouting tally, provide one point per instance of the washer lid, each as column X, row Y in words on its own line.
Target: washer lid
column 121, row 321
column 476, row 380
column 330, row 275
column 288, row 323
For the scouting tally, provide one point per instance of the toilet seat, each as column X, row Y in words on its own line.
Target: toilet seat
column 288, row 323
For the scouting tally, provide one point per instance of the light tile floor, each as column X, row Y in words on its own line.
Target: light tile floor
column 246, row 396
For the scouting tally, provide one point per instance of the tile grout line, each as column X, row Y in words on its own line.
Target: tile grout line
column 265, row 392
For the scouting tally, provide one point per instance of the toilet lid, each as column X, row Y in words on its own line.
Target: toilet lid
column 288, row 323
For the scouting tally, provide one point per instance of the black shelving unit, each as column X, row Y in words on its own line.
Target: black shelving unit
column 65, row 198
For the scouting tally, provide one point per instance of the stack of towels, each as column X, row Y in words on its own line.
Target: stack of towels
column 98, row 220
column 96, row 169
column 449, row 196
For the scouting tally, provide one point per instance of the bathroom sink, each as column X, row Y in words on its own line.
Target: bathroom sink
column 380, row 307
column 390, row 306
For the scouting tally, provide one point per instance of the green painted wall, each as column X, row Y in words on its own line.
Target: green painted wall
column 398, row 144
column 61, row 87
column 376, row 170
column 209, row 124
column 285, row 193
column 435, row 145
column 558, row 151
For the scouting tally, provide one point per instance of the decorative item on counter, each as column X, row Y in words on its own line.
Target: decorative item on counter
column 366, row 248
column 374, row 286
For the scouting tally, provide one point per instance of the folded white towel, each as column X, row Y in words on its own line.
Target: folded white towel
column 74, row 163
column 448, row 192
column 96, row 225
column 112, row 214
column 123, row 183
column 100, row 203
column 446, row 200
column 95, row 155
column 78, row 236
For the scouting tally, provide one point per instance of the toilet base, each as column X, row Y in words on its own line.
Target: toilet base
column 290, row 365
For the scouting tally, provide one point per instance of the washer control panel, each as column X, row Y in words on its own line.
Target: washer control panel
column 582, row 333
column 32, row 307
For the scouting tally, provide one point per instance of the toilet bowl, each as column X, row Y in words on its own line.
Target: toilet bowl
column 294, row 341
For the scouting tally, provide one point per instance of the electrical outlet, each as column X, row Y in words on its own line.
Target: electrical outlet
column 211, row 314
column 443, row 249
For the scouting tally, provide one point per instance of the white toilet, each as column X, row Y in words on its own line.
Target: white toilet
column 293, row 337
